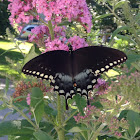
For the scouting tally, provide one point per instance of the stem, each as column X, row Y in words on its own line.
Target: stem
column 26, row 117
column 59, row 128
column 17, row 46
column 69, row 117
column 97, row 132
column 49, row 25
column 51, row 29
column 114, row 13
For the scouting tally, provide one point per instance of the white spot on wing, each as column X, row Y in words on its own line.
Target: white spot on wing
column 51, row 77
column 78, row 89
column 115, row 62
column 72, row 91
column 42, row 74
column 93, row 81
column 89, row 86
column 53, row 81
column 106, row 66
column 111, row 64
column 46, row 76
column 97, row 71
column 34, row 72
column 102, row 69
column 37, row 73
column 56, row 87
column 84, row 91
column 67, row 95
column 61, row 91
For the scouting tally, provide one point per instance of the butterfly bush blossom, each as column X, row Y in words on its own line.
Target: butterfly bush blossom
column 102, row 87
column 55, row 10
column 22, row 88
column 94, row 115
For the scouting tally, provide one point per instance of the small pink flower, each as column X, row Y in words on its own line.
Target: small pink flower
column 28, row 99
column 102, row 87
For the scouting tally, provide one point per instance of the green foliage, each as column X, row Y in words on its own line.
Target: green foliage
column 37, row 104
column 4, row 15
column 34, row 51
column 80, row 103
column 21, row 127
column 40, row 135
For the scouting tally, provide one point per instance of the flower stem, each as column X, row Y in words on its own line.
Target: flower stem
column 51, row 29
column 59, row 128
column 26, row 117
column 97, row 132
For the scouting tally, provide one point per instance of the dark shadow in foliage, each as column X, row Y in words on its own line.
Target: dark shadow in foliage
column 15, row 56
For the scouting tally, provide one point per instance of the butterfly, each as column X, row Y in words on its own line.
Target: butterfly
column 72, row 72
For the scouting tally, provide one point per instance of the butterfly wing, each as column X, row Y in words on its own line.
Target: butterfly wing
column 46, row 65
column 96, row 58
column 90, row 62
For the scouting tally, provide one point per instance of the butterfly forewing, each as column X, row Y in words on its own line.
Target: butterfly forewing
column 46, row 65
column 98, row 59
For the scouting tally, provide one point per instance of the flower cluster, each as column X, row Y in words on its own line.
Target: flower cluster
column 56, row 44
column 89, row 111
column 127, row 90
column 38, row 34
column 62, row 43
column 22, row 88
column 77, row 42
column 19, row 9
column 96, row 117
column 54, row 10
column 102, row 87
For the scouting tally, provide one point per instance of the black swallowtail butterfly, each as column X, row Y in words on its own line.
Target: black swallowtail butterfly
column 74, row 71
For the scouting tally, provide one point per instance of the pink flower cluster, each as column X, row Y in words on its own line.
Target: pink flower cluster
column 54, row 10
column 38, row 34
column 62, row 43
column 56, row 44
column 89, row 111
column 101, row 86
column 28, row 99
column 19, row 9
column 77, row 42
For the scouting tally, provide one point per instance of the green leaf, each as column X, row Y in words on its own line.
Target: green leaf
column 119, row 30
column 77, row 129
column 134, row 122
column 37, row 103
column 119, row 4
column 131, row 59
column 21, row 137
column 8, row 51
column 129, row 39
column 34, row 51
column 49, row 111
column 21, row 127
column 80, row 102
column 102, row 16
column 40, row 135
column 64, row 23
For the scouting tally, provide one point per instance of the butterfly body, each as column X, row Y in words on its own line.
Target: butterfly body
column 74, row 71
